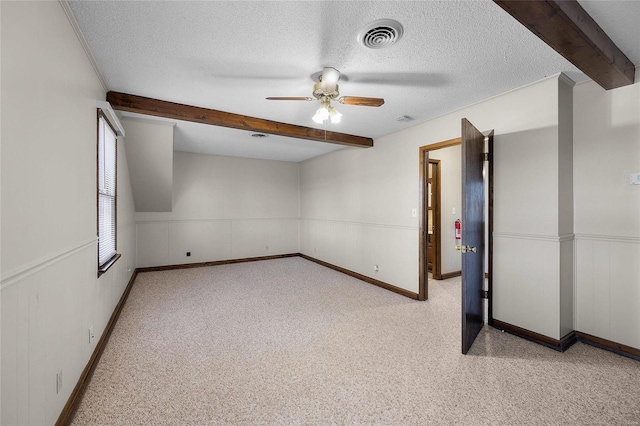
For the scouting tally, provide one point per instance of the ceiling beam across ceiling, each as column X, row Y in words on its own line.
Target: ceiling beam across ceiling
column 158, row 108
column 572, row 32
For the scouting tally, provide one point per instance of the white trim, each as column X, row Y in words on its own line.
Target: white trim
column 611, row 238
column 137, row 222
column 372, row 225
column 551, row 238
column 112, row 118
column 83, row 41
column 568, row 237
column 31, row 268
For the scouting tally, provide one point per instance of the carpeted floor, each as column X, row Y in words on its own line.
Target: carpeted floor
column 289, row 342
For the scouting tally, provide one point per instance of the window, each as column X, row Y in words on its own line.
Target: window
column 107, row 190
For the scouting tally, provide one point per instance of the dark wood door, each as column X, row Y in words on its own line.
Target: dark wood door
column 431, row 248
column 472, row 233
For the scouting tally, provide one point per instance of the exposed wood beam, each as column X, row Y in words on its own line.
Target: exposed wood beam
column 158, row 108
column 571, row 31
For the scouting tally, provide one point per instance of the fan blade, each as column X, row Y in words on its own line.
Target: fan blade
column 359, row 100
column 291, row 98
column 330, row 78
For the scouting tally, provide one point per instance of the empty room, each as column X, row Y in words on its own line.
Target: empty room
column 320, row 212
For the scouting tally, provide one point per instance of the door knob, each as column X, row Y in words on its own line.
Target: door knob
column 465, row 249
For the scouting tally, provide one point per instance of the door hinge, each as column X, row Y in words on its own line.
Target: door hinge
column 485, row 294
column 486, row 156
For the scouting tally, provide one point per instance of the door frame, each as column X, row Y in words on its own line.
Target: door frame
column 423, row 286
column 436, row 200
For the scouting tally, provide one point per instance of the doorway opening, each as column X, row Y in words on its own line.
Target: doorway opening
column 435, row 209
column 440, row 237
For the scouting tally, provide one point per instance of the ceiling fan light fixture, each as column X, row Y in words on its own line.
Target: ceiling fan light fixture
column 334, row 115
column 326, row 90
column 321, row 114
column 329, row 80
column 319, row 92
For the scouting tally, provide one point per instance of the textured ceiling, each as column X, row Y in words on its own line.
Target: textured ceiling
column 231, row 55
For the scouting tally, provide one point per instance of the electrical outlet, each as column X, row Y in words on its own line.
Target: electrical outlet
column 59, row 381
column 91, row 335
column 376, row 268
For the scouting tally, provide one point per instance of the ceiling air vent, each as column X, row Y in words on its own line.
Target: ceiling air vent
column 380, row 34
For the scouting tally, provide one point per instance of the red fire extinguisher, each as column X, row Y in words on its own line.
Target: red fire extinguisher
column 458, row 230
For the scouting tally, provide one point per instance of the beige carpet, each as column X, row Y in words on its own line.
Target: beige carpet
column 289, row 342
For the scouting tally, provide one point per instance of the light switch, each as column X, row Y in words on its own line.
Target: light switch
column 634, row 178
column 453, row 210
column 414, row 212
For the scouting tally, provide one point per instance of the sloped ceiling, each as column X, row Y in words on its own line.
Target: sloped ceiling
column 231, row 55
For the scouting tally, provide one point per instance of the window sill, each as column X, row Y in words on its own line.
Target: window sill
column 108, row 264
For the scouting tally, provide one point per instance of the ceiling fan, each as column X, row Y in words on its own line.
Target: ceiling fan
column 326, row 90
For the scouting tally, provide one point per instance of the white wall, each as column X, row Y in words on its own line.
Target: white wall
column 223, row 208
column 356, row 204
column 565, row 205
column 356, row 211
column 606, row 150
column 150, row 152
column 50, row 293
column 451, row 197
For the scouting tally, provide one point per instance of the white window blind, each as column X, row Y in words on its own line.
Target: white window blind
column 106, row 192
